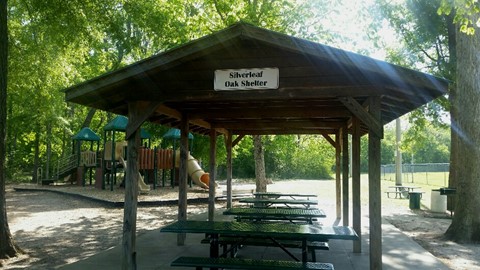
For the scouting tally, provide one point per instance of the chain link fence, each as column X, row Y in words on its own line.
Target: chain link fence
column 423, row 173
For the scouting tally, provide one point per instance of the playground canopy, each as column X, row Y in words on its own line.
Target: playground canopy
column 86, row 134
column 119, row 123
column 174, row 133
column 246, row 80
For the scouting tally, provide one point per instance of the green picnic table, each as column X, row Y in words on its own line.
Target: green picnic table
column 275, row 214
column 273, row 231
column 293, row 196
column 269, row 202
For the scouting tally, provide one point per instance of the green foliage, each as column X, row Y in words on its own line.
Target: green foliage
column 423, row 143
column 58, row 43
column 243, row 162
column 55, row 44
column 307, row 157
column 427, row 144
column 464, row 9
column 424, row 34
column 287, row 157
column 388, row 146
column 428, row 45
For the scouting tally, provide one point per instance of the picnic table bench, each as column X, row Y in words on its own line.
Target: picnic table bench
column 292, row 215
column 237, row 242
column 293, row 196
column 269, row 202
column 253, row 264
column 401, row 191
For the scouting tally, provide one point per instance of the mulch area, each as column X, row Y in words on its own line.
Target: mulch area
column 116, row 197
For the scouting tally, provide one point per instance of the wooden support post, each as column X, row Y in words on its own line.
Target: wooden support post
column 131, row 193
column 374, row 125
column 113, row 167
column 211, row 184
column 356, row 204
column 345, row 169
column 155, row 167
column 338, row 175
column 338, row 185
column 183, row 177
column 374, row 189
column 229, row 169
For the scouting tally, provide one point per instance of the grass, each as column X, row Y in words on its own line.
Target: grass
column 436, row 179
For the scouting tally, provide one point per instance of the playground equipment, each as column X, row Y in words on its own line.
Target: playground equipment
column 152, row 160
column 112, row 154
column 142, row 187
column 173, row 135
column 199, row 177
column 106, row 163
column 80, row 161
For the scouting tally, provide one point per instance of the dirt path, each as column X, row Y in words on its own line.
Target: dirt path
column 57, row 229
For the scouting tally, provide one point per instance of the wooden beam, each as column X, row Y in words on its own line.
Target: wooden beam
column 143, row 109
column 345, row 169
column 237, row 140
column 183, row 177
column 374, row 190
column 338, row 175
column 273, row 131
column 358, row 110
column 212, row 165
column 135, row 114
column 356, row 203
column 163, row 109
column 229, row 146
column 292, row 91
column 330, row 140
column 278, row 124
column 245, row 112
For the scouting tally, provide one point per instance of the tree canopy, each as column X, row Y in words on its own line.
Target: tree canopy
column 67, row 43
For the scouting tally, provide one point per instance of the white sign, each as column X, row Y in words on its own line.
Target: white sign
column 246, row 79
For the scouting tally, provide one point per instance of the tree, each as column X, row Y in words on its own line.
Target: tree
column 463, row 98
column 8, row 248
column 429, row 44
column 465, row 225
column 259, row 156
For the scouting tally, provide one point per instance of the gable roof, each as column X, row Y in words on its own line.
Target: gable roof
column 316, row 85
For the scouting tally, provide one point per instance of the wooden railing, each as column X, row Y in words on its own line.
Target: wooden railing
column 88, row 159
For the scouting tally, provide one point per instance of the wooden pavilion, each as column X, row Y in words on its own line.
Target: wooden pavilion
column 247, row 80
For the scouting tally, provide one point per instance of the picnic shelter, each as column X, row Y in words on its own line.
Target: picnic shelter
column 247, row 80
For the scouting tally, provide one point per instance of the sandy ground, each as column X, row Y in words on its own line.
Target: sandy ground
column 55, row 229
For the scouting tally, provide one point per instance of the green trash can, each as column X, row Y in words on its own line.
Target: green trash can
column 415, row 199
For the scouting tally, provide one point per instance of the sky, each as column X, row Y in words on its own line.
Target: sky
column 352, row 21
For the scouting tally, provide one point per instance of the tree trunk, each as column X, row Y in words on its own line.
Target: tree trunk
column 89, row 117
column 465, row 225
column 258, row 154
column 49, row 150
column 8, row 247
column 452, row 96
column 454, row 147
column 36, row 158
